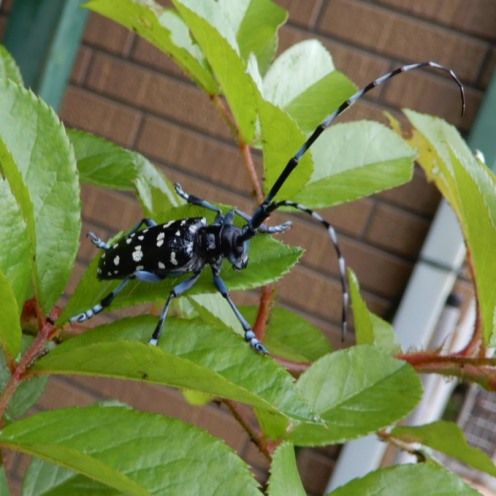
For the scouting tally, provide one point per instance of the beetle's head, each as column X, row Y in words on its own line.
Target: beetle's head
column 234, row 246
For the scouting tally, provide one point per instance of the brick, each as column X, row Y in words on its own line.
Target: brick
column 378, row 272
column 429, row 93
column 397, row 231
column 3, row 25
column 418, row 196
column 112, row 209
column 159, row 94
column 315, row 470
column 172, row 144
column 320, row 296
column 81, row 65
column 106, row 34
column 60, row 394
column 150, row 56
column 303, row 13
column 488, row 69
column 402, row 37
column 477, row 17
column 85, row 110
column 251, row 454
column 140, row 395
column 223, row 425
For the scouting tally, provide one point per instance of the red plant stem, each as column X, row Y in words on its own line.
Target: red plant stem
column 221, row 106
column 481, row 370
column 33, row 352
column 250, row 167
column 258, row 440
column 263, row 314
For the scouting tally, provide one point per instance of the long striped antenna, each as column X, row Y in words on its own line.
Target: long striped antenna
column 268, row 205
column 293, row 162
column 341, row 260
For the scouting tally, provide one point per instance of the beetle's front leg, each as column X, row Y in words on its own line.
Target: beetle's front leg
column 255, row 343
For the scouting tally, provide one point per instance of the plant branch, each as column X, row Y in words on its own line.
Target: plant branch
column 36, row 349
column 476, row 341
column 221, row 106
column 481, row 370
column 258, row 440
column 402, row 445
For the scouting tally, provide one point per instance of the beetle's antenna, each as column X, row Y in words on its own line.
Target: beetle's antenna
column 264, row 209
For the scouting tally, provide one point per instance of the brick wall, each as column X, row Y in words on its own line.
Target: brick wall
column 125, row 90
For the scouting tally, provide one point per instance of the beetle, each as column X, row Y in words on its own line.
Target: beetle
column 151, row 252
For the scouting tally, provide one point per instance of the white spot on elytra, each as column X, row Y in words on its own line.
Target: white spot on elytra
column 160, row 236
column 183, row 222
column 160, row 242
column 168, row 223
column 178, row 233
column 137, row 253
column 141, row 238
column 128, row 241
column 161, row 265
column 116, row 260
column 189, row 247
column 173, row 258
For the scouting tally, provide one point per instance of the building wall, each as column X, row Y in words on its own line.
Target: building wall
column 125, row 90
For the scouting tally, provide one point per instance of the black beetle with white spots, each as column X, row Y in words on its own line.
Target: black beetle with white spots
column 152, row 252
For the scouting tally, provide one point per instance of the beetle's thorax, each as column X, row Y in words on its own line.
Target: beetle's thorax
column 222, row 240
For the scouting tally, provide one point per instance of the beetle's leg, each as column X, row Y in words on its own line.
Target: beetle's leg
column 249, row 334
column 144, row 221
column 105, row 302
column 264, row 228
column 97, row 241
column 194, row 200
column 178, row 290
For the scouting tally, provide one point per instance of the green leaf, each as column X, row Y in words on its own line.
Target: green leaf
column 356, row 160
column 449, row 439
column 304, row 82
column 10, row 327
column 41, row 150
column 469, row 187
column 215, row 35
column 15, row 247
column 255, row 23
column 8, row 67
column 407, row 480
column 356, row 391
column 105, row 164
column 215, row 310
column 134, row 452
column 281, row 140
column 192, row 355
column 284, row 478
column 269, row 260
column 164, row 29
column 290, row 336
column 369, row 328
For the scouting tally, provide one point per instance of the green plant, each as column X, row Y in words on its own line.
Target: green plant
column 227, row 49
